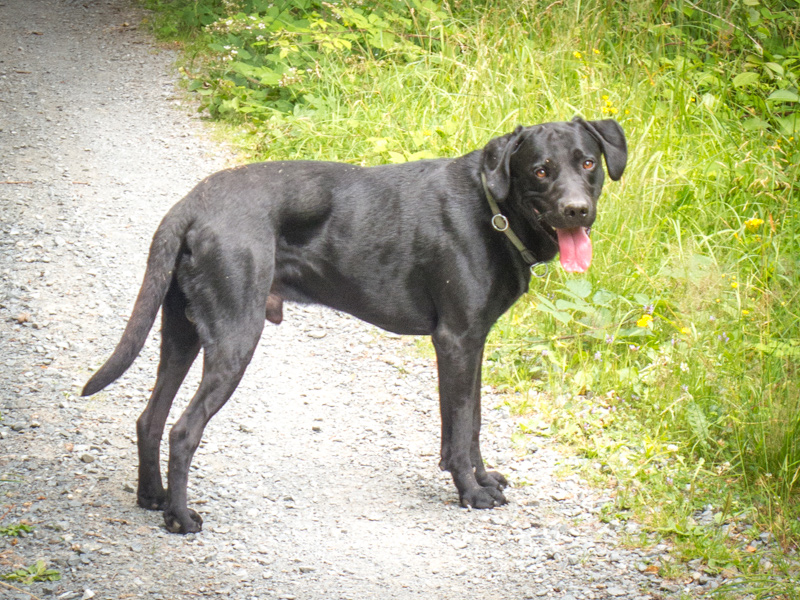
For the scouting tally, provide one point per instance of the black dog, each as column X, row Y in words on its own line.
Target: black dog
column 412, row 248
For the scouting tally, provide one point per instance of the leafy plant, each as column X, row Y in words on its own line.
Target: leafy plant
column 16, row 529
column 36, row 572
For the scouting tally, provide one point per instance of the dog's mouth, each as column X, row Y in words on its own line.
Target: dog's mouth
column 574, row 244
column 574, row 249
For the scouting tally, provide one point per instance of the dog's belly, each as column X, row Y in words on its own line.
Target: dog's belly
column 393, row 309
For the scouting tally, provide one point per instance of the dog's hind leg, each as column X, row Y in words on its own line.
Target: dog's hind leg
column 227, row 287
column 179, row 347
column 223, row 368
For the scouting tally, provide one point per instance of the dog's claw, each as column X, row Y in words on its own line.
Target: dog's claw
column 190, row 522
column 493, row 479
column 483, row 497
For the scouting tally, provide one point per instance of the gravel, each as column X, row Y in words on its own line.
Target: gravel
column 319, row 478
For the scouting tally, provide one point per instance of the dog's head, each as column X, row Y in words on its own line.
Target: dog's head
column 551, row 175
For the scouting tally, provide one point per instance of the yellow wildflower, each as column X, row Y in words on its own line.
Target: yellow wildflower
column 644, row 321
column 577, row 54
column 752, row 225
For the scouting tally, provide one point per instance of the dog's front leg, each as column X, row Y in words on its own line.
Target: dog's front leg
column 485, row 478
column 459, row 364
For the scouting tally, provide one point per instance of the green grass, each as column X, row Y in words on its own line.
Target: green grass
column 671, row 368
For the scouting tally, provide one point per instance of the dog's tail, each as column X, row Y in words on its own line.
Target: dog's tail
column 161, row 263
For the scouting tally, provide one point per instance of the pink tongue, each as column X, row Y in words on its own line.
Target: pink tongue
column 575, row 248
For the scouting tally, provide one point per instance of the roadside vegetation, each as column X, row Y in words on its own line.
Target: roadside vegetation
column 672, row 369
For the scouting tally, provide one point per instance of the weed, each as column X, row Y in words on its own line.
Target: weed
column 38, row 571
column 16, row 529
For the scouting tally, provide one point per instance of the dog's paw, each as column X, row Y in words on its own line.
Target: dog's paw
column 185, row 521
column 483, row 497
column 492, row 479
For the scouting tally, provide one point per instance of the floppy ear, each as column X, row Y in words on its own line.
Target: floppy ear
column 611, row 138
column 495, row 163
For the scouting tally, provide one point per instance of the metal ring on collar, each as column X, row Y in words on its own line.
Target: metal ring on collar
column 499, row 222
column 537, row 272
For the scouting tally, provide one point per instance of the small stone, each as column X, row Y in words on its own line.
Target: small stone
column 87, row 458
column 616, row 591
column 523, row 524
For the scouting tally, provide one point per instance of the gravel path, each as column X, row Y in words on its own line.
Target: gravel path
column 318, row 480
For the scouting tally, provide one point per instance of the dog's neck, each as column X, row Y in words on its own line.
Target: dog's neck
column 501, row 223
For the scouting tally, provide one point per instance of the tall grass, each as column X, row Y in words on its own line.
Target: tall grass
column 685, row 334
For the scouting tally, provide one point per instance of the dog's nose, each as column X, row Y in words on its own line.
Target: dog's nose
column 576, row 210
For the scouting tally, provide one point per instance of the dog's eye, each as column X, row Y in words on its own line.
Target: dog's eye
column 540, row 173
column 588, row 164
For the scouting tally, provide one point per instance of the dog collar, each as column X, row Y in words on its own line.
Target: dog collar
column 500, row 223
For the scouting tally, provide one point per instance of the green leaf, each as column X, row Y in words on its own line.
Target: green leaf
column 422, row 155
column 545, row 306
column 790, row 125
column 783, row 96
column 15, row 530
column 775, row 68
column 780, row 348
column 603, row 297
column 567, row 305
column 755, row 124
column 745, row 79
column 580, row 287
